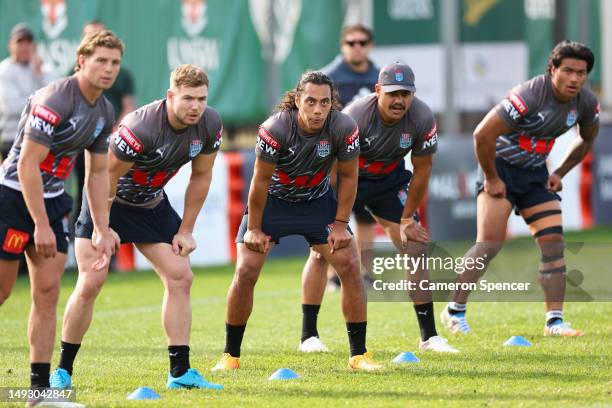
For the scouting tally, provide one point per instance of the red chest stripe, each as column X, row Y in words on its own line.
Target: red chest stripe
column 301, row 181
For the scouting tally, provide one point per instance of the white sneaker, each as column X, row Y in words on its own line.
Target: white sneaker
column 313, row 345
column 455, row 323
column 437, row 343
column 562, row 329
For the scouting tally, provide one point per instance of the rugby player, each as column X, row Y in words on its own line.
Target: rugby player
column 290, row 194
column 354, row 75
column 512, row 143
column 59, row 122
column 149, row 147
column 392, row 123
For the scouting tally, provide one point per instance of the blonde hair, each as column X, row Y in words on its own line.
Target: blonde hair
column 105, row 38
column 188, row 75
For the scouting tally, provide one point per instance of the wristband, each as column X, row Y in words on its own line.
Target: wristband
column 342, row 221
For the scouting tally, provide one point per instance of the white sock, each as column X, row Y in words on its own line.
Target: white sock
column 458, row 307
column 554, row 314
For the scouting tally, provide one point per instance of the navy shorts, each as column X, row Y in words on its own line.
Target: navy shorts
column 17, row 227
column 135, row 224
column 524, row 187
column 310, row 219
column 384, row 198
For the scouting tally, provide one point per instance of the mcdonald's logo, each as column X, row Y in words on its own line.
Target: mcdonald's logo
column 15, row 241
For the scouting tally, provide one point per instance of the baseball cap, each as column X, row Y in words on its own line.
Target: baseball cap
column 21, row 31
column 395, row 77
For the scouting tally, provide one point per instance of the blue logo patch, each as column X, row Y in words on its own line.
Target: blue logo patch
column 405, row 140
column 99, row 126
column 572, row 116
column 399, row 76
column 324, row 148
column 195, row 147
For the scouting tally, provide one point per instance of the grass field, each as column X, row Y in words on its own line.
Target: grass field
column 125, row 348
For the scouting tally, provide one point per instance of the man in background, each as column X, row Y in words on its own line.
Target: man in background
column 352, row 72
column 21, row 75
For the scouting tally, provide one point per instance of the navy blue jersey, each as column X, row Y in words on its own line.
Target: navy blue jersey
column 351, row 85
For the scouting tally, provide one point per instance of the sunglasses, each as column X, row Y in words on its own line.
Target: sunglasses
column 363, row 43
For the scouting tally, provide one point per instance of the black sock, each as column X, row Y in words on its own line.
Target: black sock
column 68, row 353
column 309, row 321
column 357, row 337
column 427, row 323
column 233, row 339
column 179, row 360
column 39, row 375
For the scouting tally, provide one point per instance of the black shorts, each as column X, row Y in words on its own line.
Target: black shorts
column 384, row 198
column 134, row 224
column 17, row 226
column 310, row 219
column 524, row 187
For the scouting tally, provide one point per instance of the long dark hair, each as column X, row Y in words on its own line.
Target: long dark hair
column 570, row 49
column 309, row 77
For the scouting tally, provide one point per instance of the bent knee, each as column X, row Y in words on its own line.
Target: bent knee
column 90, row 288
column 180, row 278
column 348, row 266
column 246, row 274
column 44, row 295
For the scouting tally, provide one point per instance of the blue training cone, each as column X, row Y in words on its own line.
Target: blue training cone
column 519, row 341
column 143, row 393
column 284, row 374
column 405, row 357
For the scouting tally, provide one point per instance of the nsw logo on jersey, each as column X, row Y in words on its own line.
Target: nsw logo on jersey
column 572, row 116
column 127, row 142
column 266, row 143
column 99, row 126
column 324, row 148
column 195, row 147
column 405, row 140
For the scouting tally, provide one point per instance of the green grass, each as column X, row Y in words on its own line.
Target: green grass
column 125, row 348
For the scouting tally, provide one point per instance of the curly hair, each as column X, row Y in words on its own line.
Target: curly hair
column 570, row 49
column 309, row 77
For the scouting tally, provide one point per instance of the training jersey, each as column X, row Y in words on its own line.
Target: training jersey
column 58, row 117
column 383, row 147
column 537, row 118
column 351, row 85
column 158, row 151
column 303, row 161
